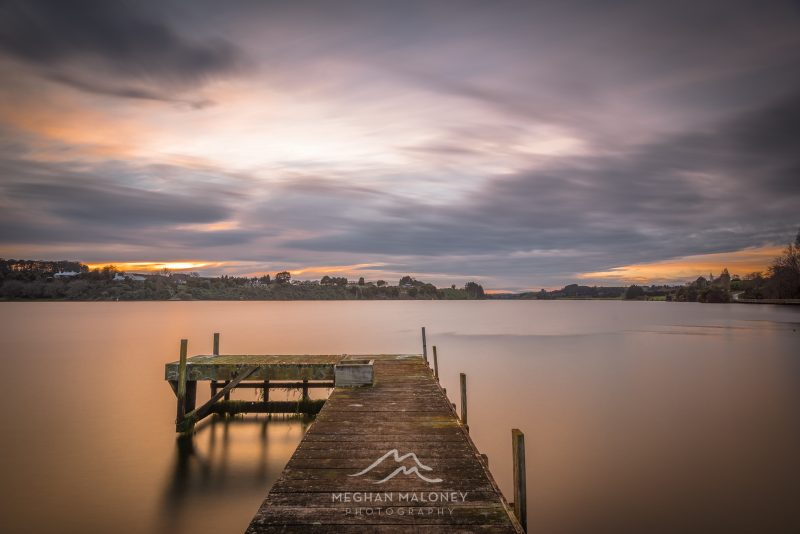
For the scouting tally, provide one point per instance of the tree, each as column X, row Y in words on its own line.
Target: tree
column 361, row 281
column 785, row 272
column 634, row 292
column 380, row 283
column 406, row 281
column 474, row 290
column 724, row 280
column 283, row 278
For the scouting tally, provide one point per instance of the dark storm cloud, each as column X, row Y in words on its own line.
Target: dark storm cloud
column 60, row 202
column 103, row 204
column 114, row 48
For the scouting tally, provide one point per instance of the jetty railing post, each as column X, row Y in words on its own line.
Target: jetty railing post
column 435, row 364
column 182, row 381
column 305, row 389
column 520, row 490
column 216, row 344
column 463, row 399
column 424, row 346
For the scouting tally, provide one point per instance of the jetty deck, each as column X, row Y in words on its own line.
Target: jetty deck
column 390, row 457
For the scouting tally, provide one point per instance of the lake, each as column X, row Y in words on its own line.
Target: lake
column 638, row 416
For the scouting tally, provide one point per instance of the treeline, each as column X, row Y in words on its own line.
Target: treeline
column 782, row 280
column 74, row 281
column 571, row 291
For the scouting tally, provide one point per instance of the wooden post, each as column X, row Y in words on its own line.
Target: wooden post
column 228, row 394
column 305, row 389
column 435, row 364
column 520, row 493
column 266, row 390
column 213, row 387
column 424, row 346
column 182, row 381
column 463, row 399
column 191, row 395
column 216, row 344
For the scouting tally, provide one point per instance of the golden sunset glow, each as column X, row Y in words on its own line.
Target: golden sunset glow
column 145, row 266
column 333, row 269
column 741, row 262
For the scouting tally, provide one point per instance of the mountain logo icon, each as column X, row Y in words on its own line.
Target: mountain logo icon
column 395, row 454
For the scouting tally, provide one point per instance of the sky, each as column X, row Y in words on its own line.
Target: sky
column 518, row 144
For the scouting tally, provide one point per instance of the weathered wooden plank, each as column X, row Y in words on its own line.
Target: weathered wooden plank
column 380, row 529
column 405, row 410
column 366, row 514
column 324, row 499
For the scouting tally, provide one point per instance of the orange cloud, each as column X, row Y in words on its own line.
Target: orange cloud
column 158, row 266
column 743, row 261
column 334, row 269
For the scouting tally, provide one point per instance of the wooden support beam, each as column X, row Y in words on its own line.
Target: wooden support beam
column 186, row 424
column 485, row 459
column 216, row 344
column 520, row 489
column 305, row 389
column 265, row 391
column 181, row 390
column 435, row 364
column 228, row 394
column 236, row 406
column 424, row 346
column 277, row 385
column 463, row 399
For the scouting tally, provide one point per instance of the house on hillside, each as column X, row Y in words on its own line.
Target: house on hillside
column 121, row 277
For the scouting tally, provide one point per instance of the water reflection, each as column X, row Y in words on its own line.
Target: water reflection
column 225, row 459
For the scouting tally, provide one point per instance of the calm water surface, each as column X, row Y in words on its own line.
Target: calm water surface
column 638, row 416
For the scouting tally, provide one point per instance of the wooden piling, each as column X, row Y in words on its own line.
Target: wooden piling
column 305, row 389
column 182, row 380
column 216, row 344
column 191, row 395
column 424, row 346
column 463, row 399
column 520, row 490
column 266, row 390
column 435, row 364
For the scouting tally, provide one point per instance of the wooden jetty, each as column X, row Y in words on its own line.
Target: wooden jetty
column 390, row 456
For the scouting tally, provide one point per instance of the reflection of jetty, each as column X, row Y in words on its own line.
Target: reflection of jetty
column 389, row 455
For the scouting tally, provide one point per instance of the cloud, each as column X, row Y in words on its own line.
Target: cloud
column 702, row 191
column 116, row 49
column 514, row 143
